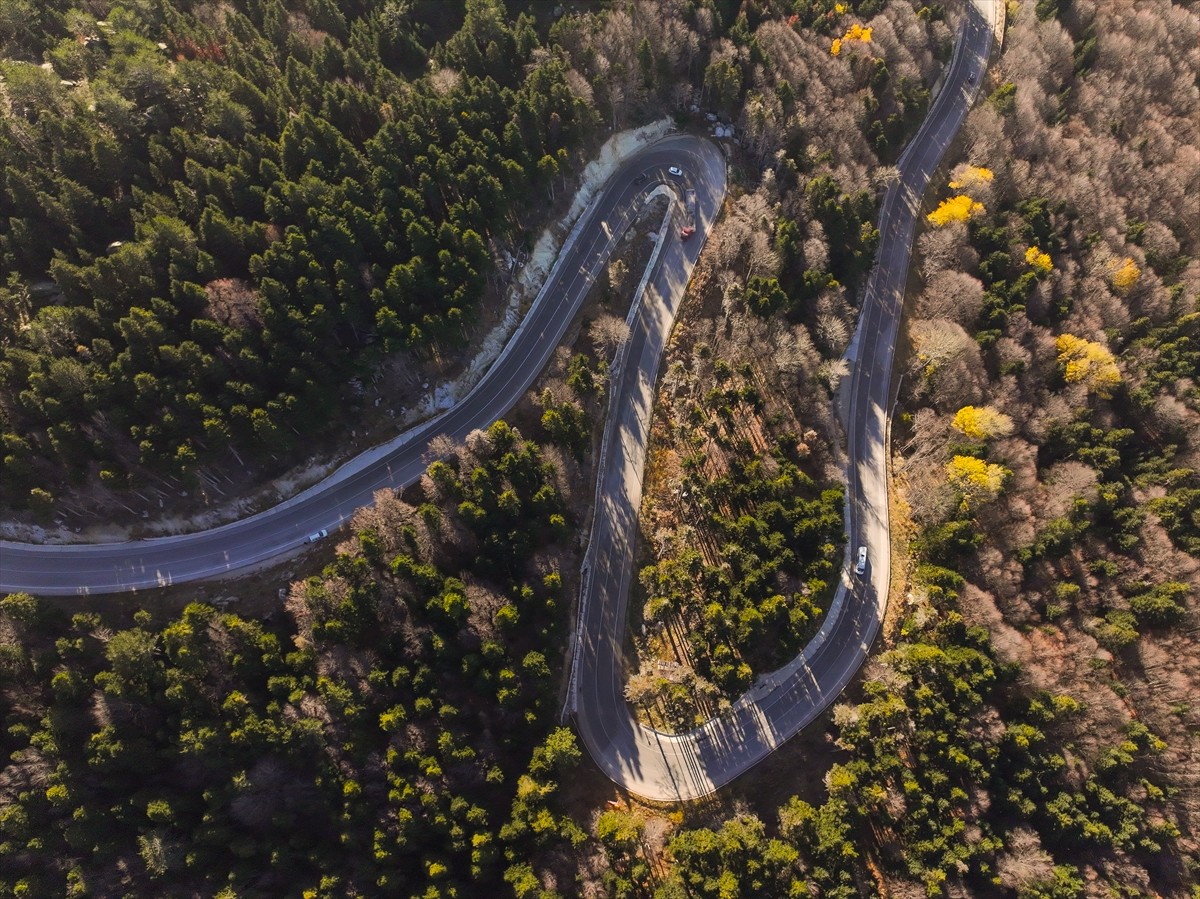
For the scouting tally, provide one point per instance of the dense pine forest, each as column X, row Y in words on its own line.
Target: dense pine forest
column 216, row 213
column 393, row 737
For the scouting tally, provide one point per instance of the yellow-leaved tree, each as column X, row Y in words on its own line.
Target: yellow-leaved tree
column 976, row 481
column 968, row 176
column 1123, row 275
column 1039, row 260
column 955, row 209
column 1088, row 363
column 982, row 422
column 855, row 32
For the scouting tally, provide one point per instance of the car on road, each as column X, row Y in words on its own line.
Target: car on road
column 861, row 567
column 971, row 78
column 640, row 179
column 675, row 171
column 689, row 215
column 318, row 535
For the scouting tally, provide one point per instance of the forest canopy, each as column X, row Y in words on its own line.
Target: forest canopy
column 389, row 732
column 1029, row 727
column 216, row 214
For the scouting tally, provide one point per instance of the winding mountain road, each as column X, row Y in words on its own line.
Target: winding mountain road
column 675, row 767
column 654, row 765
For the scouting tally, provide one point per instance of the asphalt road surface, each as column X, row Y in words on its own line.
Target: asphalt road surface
column 282, row 531
column 667, row 767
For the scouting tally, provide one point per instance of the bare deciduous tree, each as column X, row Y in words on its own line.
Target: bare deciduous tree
column 442, row 446
column 938, row 342
column 618, row 273
column 444, row 81
column 1025, row 863
column 643, row 688
column 477, row 446
column 608, row 333
column 832, row 333
column 1063, row 484
column 232, row 302
column 951, row 295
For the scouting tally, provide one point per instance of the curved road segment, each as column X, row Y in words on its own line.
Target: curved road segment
column 674, row 767
column 648, row 763
column 281, row 531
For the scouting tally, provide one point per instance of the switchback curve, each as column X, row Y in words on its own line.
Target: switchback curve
column 676, row 767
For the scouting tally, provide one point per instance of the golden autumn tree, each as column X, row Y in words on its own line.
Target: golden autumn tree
column 982, row 422
column 1039, row 260
column 968, row 176
column 855, row 32
column 977, row 481
column 1089, row 363
column 960, row 208
column 1123, row 275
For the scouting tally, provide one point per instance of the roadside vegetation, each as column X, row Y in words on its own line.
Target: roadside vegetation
column 1028, row 728
column 1050, row 440
column 743, row 546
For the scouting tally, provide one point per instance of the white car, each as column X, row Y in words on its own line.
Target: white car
column 675, row 171
column 319, row 535
column 861, row 567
